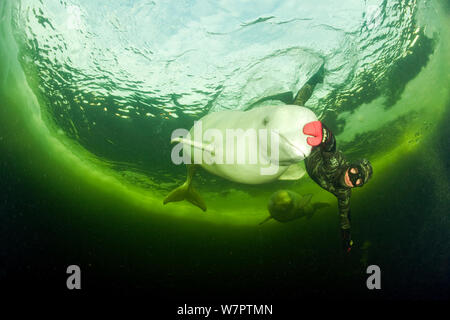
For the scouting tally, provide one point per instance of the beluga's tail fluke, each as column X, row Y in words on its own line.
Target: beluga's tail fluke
column 186, row 192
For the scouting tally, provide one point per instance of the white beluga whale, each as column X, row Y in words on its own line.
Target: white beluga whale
column 257, row 146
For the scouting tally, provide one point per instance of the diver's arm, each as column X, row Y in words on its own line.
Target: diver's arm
column 328, row 150
column 344, row 212
column 344, row 220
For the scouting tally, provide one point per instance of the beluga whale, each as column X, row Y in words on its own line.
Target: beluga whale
column 286, row 205
column 256, row 146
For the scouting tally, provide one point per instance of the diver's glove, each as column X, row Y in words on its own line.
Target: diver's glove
column 319, row 132
column 347, row 242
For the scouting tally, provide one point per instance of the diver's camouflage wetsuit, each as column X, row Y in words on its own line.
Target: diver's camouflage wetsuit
column 326, row 166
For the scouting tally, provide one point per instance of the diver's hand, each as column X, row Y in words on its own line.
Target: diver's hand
column 347, row 242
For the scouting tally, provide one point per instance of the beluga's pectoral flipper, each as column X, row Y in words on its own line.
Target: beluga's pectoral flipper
column 186, row 191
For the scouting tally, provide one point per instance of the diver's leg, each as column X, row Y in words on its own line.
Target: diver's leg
column 303, row 94
column 186, row 191
column 306, row 91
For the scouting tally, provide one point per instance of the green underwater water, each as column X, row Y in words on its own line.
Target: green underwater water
column 84, row 183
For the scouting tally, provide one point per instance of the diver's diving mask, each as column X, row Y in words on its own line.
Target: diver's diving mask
column 359, row 173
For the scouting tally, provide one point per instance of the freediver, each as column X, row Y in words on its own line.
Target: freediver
column 328, row 167
column 331, row 171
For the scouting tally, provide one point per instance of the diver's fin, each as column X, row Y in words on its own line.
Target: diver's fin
column 195, row 144
column 265, row 220
column 304, row 200
column 186, row 192
column 294, row 172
